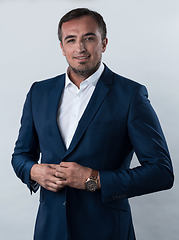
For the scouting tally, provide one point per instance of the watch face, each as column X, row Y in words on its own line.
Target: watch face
column 91, row 185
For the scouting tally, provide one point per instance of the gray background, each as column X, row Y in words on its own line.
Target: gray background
column 143, row 45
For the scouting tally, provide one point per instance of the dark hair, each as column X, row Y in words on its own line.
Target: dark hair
column 81, row 12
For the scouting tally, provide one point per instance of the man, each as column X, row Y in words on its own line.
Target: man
column 87, row 124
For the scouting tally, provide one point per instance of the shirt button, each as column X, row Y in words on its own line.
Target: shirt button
column 79, row 95
column 74, row 115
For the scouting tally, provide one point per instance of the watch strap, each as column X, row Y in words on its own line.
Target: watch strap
column 94, row 173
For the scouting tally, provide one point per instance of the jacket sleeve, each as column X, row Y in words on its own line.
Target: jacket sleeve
column 26, row 152
column 155, row 172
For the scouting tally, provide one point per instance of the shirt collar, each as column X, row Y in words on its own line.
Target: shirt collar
column 93, row 79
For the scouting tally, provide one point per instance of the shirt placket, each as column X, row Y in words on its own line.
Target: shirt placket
column 74, row 118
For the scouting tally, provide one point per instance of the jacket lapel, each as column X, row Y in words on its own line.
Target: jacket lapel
column 94, row 104
column 53, row 105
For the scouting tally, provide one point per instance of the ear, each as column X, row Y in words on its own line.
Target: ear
column 63, row 51
column 104, row 44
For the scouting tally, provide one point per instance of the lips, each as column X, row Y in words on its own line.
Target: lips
column 82, row 57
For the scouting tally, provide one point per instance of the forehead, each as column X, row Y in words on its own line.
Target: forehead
column 80, row 26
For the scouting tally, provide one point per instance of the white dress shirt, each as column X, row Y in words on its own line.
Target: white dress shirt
column 73, row 104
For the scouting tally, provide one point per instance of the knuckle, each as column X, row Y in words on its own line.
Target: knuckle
column 58, row 182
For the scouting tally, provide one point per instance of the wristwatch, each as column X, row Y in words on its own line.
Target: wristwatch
column 92, row 181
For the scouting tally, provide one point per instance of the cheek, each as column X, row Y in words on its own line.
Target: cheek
column 69, row 53
column 97, row 53
column 98, row 50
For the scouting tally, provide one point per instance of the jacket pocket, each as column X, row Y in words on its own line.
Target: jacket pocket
column 118, row 204
column 99, row 125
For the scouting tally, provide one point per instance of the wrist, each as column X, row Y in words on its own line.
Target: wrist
column 92, row 182
column 33, row 172
column 98, row 182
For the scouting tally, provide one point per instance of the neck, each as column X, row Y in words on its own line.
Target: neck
column 77, row 77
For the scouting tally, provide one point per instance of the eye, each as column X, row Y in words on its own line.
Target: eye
column 71, row 40
column 89, row 39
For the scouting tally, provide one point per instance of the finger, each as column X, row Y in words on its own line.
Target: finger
column 65, row 164
column 53, row 165
column 62, row 175
column 61, row 183
column 54, row 179
column 53, row 186
column 48, row 170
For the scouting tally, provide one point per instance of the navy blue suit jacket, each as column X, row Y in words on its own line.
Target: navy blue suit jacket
column 117, row 121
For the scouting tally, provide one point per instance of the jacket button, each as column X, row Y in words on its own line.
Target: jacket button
column 124, row 196
column 64, row 203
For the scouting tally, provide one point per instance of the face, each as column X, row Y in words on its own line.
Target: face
column 82, row 45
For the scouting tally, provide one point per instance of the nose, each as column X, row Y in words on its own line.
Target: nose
column 80, row 47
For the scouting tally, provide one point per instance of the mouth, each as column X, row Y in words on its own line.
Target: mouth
column 82, row 58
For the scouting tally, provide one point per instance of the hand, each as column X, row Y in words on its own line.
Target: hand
column 45, row 175
column 72, row 174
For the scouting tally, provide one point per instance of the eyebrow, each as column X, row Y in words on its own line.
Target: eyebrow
column 69, row 36
column 74, row 36
column 89, row 34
